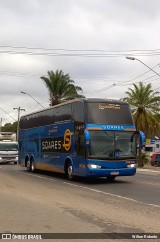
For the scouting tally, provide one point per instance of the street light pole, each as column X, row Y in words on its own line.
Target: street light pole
column 19, row 109
column 33, row 98
column 132, row 58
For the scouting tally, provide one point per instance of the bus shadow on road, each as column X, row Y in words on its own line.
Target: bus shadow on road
column 82, row 180
column 98, row 181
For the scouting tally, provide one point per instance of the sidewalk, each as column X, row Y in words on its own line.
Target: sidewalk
column 148, row 167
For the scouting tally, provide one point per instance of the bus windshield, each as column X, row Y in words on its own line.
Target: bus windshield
column 112, row 144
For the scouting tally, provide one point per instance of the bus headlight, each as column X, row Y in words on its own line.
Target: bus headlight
column 16, row 158
column 131, row 165
column 94, row 166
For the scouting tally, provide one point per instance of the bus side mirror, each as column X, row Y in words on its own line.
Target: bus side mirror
column 142, row 139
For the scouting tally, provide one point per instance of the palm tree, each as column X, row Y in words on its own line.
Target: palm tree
column 143, row 159
column 145, row 105
column 61, row 88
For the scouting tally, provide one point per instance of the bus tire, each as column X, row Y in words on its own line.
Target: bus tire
column 111, row 178
column 33, row 166
column 28, row 165
column 68, row 171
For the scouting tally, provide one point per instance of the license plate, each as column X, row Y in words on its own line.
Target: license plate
column 114, row 173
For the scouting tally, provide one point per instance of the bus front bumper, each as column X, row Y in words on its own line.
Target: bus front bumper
column 111, row 172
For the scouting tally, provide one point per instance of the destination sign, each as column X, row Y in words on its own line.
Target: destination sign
column 110, row 106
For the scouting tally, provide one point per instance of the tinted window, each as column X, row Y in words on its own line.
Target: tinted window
column 108, row 113
column 158, row 156
column 64, row 113
column 46, row 117
column 78, row 111
column 150, row 149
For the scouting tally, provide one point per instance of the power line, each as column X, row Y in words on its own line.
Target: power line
column 76, row 52
column 133, row 79
column 151, row 69
column 8, row 114
column 121, row 82
column 94, row 55
column 91, row 78
column 102, row 89
column 70, row 50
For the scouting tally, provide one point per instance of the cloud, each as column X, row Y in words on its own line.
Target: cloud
column 75, row 32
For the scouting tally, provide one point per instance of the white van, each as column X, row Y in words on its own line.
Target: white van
column 8, row 147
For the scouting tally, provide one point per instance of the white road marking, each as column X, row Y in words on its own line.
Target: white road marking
column 111, row 194
column 93, row 190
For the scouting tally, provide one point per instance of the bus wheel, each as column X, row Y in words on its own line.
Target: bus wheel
column 33, row 166
column 111, row 178
column 28, row 165
column 69, row 170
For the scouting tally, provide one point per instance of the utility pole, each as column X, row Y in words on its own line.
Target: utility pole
column 1, row 124
column 19, row 110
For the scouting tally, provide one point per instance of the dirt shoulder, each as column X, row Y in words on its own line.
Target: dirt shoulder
column 149, row 167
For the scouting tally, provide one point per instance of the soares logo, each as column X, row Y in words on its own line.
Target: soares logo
column 67, row 140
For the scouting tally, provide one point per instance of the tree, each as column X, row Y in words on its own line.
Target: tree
column 61, row 88
column 8, row 127
column 145, row 105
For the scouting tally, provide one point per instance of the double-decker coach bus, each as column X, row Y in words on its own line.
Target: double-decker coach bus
column 83, row 137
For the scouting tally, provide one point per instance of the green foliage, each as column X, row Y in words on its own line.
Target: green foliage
column 145, row 106
column 8, row 127
column 61, row 88
column 142, row 159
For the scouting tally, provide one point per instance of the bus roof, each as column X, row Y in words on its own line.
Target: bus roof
column 84, row 100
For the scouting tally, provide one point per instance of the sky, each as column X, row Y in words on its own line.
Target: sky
column 87, row 39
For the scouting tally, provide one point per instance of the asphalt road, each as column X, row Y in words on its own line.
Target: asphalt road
column 48, row 203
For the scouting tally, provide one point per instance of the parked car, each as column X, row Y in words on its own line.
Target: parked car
column 155, row 159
